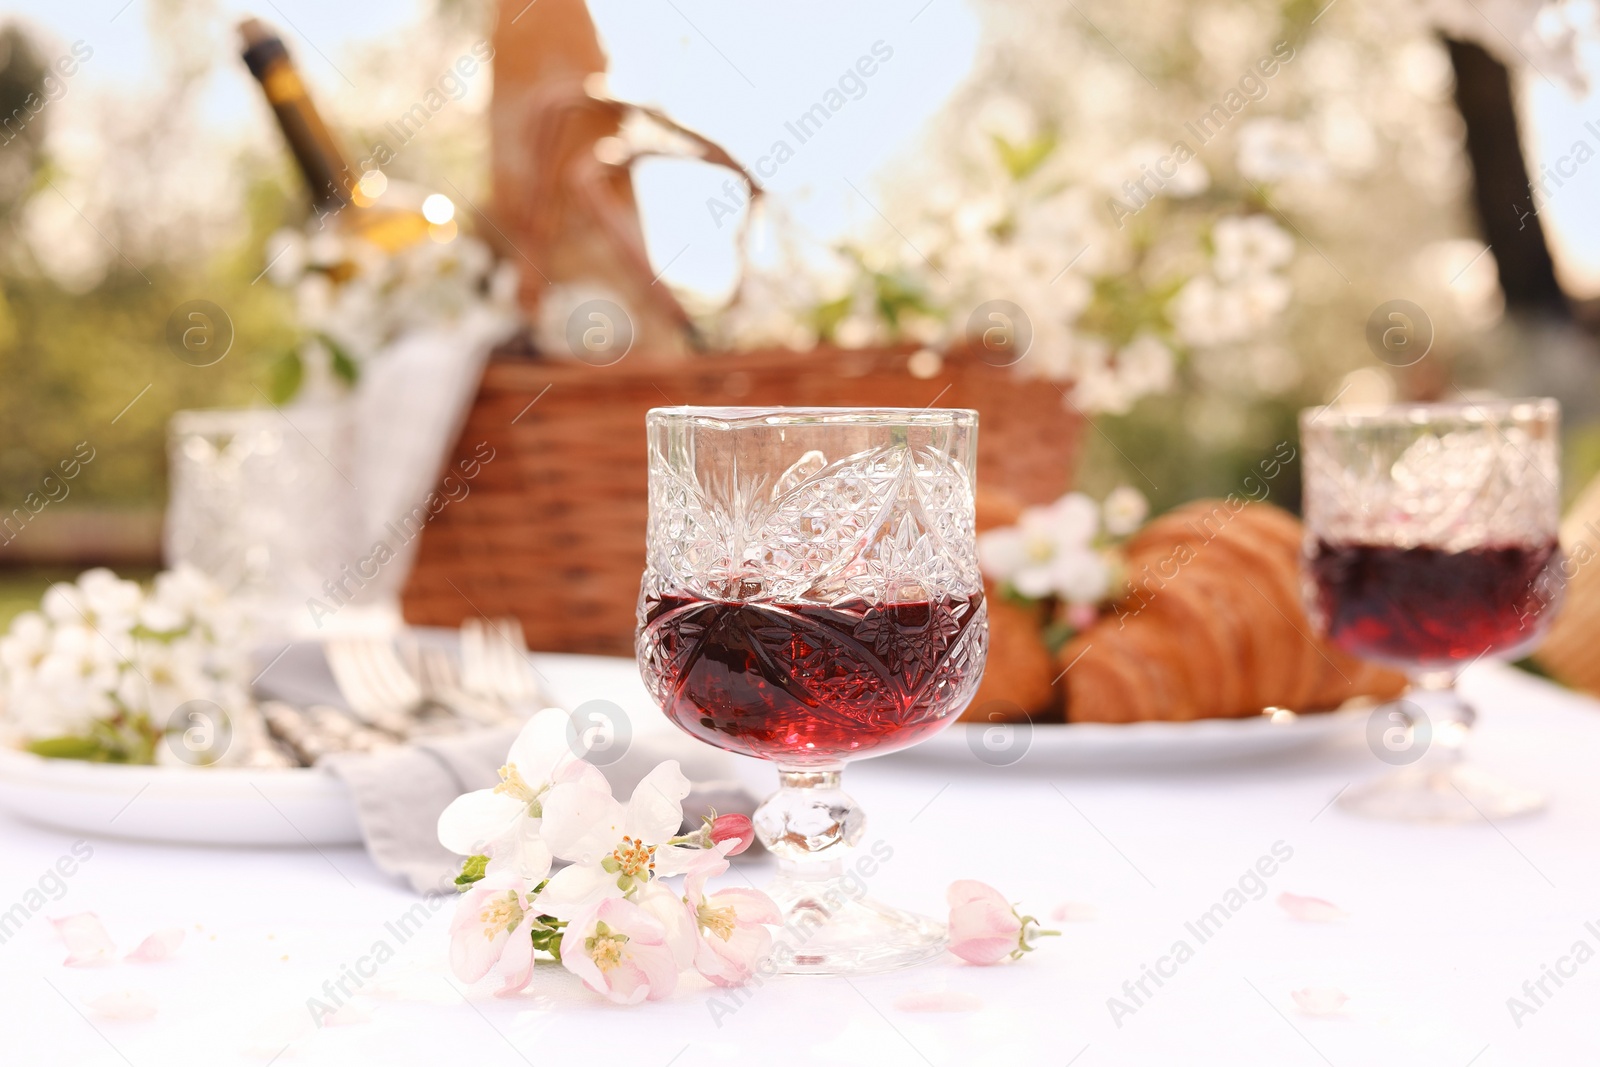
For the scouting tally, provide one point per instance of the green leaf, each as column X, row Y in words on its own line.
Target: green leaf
column 825, row 317
column 895, row 294
column 284, row 377
column 1021, row 160
column 1056, row 635
column 68, row 748
column 344, row 365
column 472, row 870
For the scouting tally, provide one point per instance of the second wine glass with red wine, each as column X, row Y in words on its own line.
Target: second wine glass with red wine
column 1432, row 543
column 812, row 596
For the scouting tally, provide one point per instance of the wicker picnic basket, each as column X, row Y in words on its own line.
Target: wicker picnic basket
column 553, row 528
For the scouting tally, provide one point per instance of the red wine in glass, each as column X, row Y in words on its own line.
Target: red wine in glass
column 806, row 684
column 1427, row 608
column 812, row 596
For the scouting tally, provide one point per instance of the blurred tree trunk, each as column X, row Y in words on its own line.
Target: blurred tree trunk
column 22, row 99
column 1500, row 184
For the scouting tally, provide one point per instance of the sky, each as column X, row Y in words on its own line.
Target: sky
column 723, row 68
column 1562, row 121
column 739, row 75
column 738, row 72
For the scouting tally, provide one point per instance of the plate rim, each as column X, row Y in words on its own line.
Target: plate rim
column 21, row 767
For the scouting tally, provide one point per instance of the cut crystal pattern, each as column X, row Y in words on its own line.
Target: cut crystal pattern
column 885, row 525
column 1455, row 490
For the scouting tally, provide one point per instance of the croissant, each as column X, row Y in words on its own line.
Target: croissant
column 1017, row 678
column 1211, row 625
column 1568, row 653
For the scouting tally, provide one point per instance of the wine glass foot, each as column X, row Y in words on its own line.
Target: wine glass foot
column 829, row 928
column 1457, row 793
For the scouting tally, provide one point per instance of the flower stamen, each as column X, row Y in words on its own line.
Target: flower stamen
column 501, row 913
column 513, row 785
column 635, row 859
column 718, row 921
column 605, row 948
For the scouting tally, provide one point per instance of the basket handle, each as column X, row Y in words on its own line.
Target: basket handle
column 587, row 178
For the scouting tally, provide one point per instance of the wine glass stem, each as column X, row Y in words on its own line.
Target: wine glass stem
column 1449, row 716
column 809, row 822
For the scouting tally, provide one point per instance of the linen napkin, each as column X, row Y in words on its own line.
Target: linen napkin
column 400, row 793
column 410, row 407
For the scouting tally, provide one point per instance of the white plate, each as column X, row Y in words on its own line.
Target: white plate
column 1112, row 746
column 213, row 806
column 230, row 806
column 235, row 806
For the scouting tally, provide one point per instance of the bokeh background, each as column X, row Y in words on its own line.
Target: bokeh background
column 1437, row 153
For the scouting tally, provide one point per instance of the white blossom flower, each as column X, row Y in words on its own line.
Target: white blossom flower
column 613, row 849
column 1191, row 179
column 1206, row 312
column 491, row 930
column 1062, row 550
column 1045, row 549
column 504, row 822
column 364, row 297
column 165, row 674
column 1080, row 576
column 1145, row 366
column 63, row 603
column 1250, row 246
column 79, row 673
column 621, row 952
column 729, row 926
column 26, row 645
column 103, row 658
column 1058, row 153
column 1274, row 150
column 1008, row 116
column 1125, row 509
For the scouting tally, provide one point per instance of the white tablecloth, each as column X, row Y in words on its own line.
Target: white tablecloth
column 1443, row 926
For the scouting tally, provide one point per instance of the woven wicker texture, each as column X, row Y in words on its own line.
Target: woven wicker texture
column 553, row 528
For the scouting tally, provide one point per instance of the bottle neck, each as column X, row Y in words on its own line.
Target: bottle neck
column 321, row 161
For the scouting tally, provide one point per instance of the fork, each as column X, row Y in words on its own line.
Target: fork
column 375, row 683
column 494, row 662
column 436, row 670
column 518, row 680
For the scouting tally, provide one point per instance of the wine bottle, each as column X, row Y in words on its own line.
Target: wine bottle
column 321, row 161
column 390, row 216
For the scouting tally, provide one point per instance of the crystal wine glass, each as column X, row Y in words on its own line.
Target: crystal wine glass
column 1431, row 543
column 812, row 596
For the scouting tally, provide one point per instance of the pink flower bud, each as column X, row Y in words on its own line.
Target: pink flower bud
column 733, row 828
column 1082, row 616
column 983, row 927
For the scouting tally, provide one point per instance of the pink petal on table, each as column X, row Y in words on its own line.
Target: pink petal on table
column 938, row 1002
column 126, row 1005
column 1310, row 909
column 158, row 946
column 1075, row 912
column 88, row 944
column 1318, row 1001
